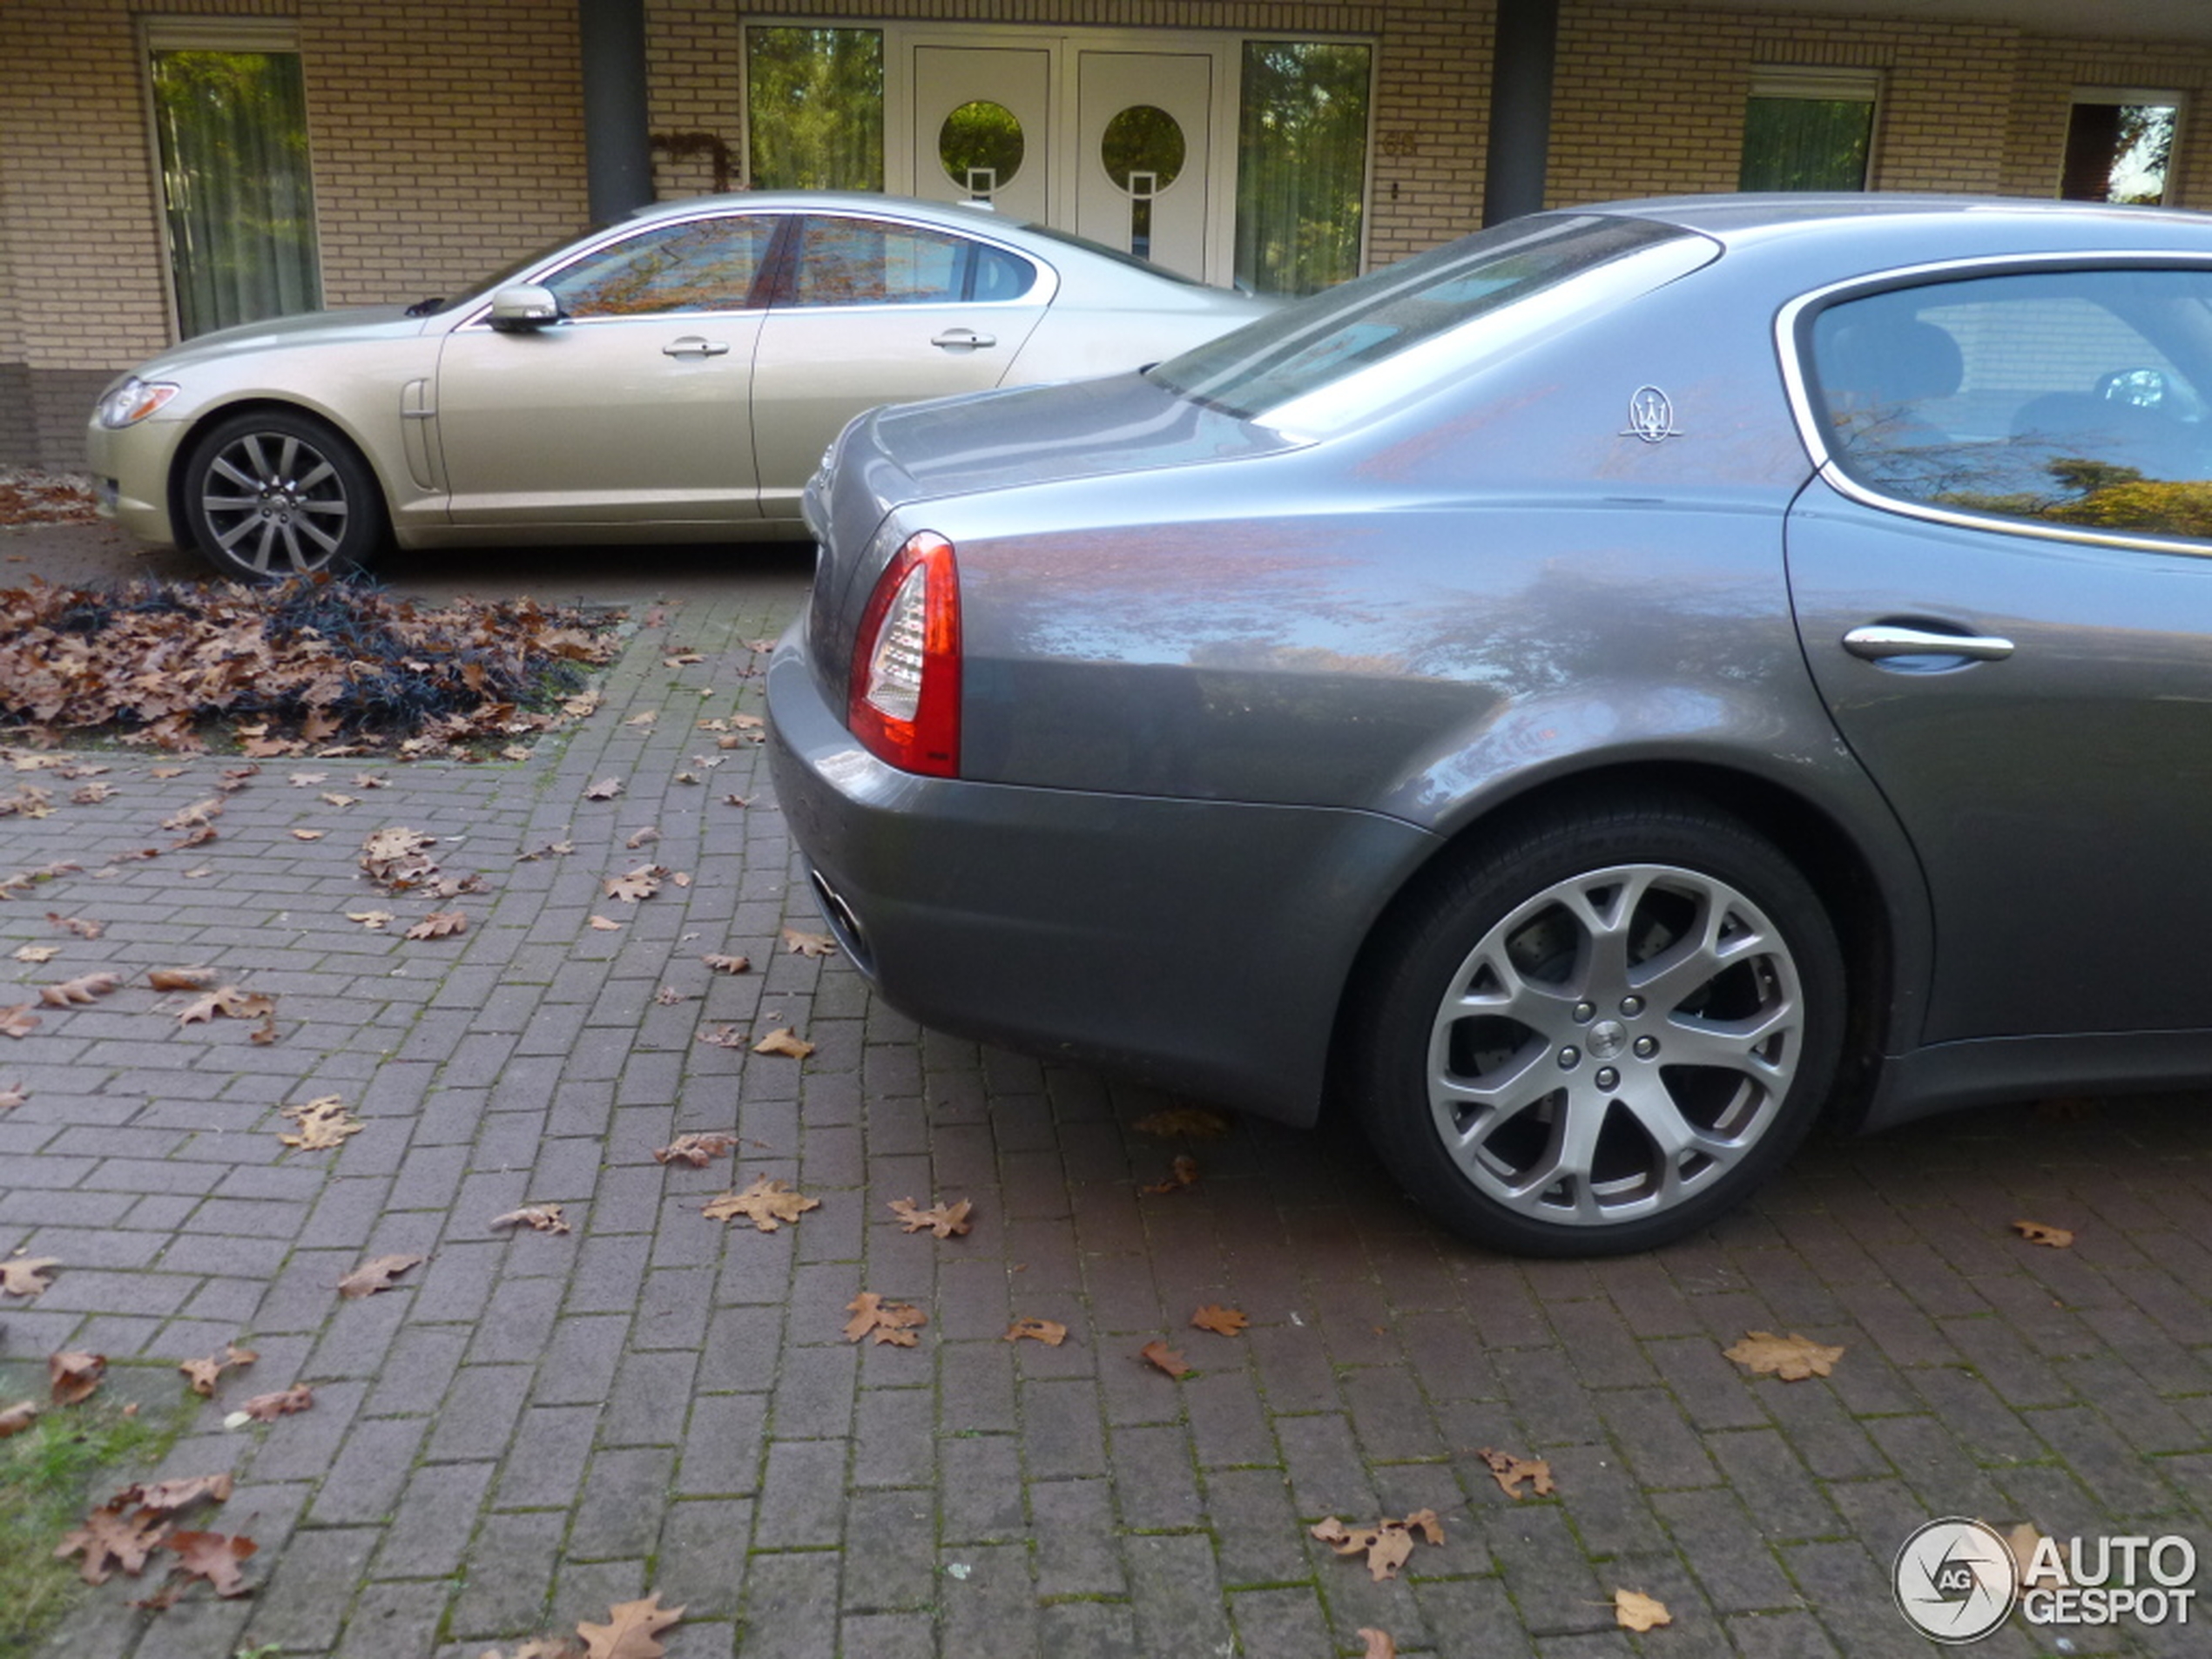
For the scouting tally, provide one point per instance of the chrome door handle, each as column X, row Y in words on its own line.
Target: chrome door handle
column 694, row 345
column 1880, row 640
column 967, row 337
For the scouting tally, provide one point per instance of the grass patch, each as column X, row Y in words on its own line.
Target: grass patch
column 50, row 1476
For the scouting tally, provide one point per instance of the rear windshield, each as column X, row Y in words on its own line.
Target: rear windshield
column 1310, row 345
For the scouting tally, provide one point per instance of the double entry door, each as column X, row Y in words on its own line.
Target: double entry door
column 1112, row 144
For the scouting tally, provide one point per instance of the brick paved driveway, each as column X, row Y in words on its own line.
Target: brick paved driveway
column 534, row 1427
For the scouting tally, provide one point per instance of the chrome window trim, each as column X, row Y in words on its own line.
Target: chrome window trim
column 1791, row 343
column 1048, row 282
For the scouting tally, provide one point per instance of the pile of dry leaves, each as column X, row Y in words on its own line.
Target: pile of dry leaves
column 316, row 659
column 32, row 497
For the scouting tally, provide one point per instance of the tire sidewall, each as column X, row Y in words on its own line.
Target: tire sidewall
column 1425, row 946
column 365, row 517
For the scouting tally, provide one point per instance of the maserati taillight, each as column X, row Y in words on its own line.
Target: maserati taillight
column 904, row 704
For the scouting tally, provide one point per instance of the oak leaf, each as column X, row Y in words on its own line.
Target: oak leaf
column 324, row 1122
column 538, row 1218
column 267, row 1408
column 1380, row 1645
column 891, row 1322
column 1225, row 1322
column 440, row 924
column 374, row 920
column 1792, row 1358
column 606, row 924
column 335, row 798
column 668, row 996
column 71, row 1378
column 86, row 988
column 12, row 1095
column 1509, row 1472
column 17, row 1418
column 1388, row 1545
column 698, row 1150
column 946, row 1220
column 167, row 1497
column 550, row 850
column 27, row 1275
column 724, row 1036
column 398, row 857
column 308, row 835
column 631, row 885
column 728, row 964
column 17, row 1020
column 632, row 1630
column 2037, row 1234
column 1182, row 1173
column 181, row 979
column 82, row 927
column 1158, row 1353
column 36, row 953
column 767, row 1204
column 1187, row 1123
column 111, row 1538
column 229, row 1002
column 784, row 1040
column 215, row 1557
column 1634, row 1610
column 376, row 1275
column 202, row 1373
column 1051, row 1333
column 644, row 837
column 806, row 944
column 605, row 789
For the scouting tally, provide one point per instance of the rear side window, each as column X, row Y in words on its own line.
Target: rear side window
column 1311, row 345
column 2074, row 398
column 869, row 262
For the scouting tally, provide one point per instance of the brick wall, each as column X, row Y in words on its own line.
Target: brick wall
column 447, row 138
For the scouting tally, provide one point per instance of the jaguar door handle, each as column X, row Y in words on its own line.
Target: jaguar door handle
column 1880, row 640
column 694, row 345
column 967, row 339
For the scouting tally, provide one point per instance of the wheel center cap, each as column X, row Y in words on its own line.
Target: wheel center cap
column 1607, row 1039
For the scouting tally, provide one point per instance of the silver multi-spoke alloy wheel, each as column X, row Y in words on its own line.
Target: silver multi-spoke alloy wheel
column 1615, row 1044
column 1597, row 1028
column 277, row 495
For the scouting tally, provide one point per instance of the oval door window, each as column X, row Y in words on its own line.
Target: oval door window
column 1143, row 150
column 979, row 147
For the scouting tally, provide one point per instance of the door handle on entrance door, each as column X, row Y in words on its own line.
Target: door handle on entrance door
column 693, row 346
column 1879, row 640
column 967, row 337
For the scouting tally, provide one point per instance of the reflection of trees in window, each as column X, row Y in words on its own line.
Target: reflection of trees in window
column 1302, row 164
column 706, row 265
column 237, row 189
column 2099, row 494
column 2118, row 151
column 814, row 108
column 1808, row 128
column 980, row 145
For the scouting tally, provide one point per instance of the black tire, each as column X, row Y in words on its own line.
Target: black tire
column 1541, row 1091
column 273, row 493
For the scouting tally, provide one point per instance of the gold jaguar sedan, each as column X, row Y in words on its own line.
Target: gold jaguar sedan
column 675, row 376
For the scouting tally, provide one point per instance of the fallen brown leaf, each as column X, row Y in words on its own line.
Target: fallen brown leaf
column 324, row 1122
column 1158, row 1353
column 377, row 1275
column 202, row 1373
column 539, row 1217
column 644, row 837
column 806, row 944
column 17, row 1418
column 1182, row 1173
column 17, row 1021
column 374, row 920
column 1379, row 1643
column 605, row 789
column 784, row 1040
column 632, row 885
column 181, row 979
column 27, row 1275
column 229, row 1002
column 1187, row 1123
column 82, row 927
column 71, row 1377
column 440, row 924
column 1793, row 1358
column 605, row 924
column 36, row 953
column 1225, row 1322
column 888, row 1322
column 1634, row 1610
column 214, row 1557
column 1509, row 1472
column 767, row 1204
column 1051, row 1333
column 167, row 1497
column 946, row 1220
column 267, row 1408
column 668, row 996
column 632, row 1630
column 2036, row 1233
column 698, row 1150
column 728, row 964
column 12, row 1095
column 71, row 993
column 720, row 1036
column 109, row 1539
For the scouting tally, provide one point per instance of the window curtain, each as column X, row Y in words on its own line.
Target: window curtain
column 1301, row 163
column 1806, row 143
column 814, row 108
column 236, row 184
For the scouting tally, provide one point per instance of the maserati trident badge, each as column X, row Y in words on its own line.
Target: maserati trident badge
column 1651, row 416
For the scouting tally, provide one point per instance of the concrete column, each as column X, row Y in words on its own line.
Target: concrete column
column 1521, row 54
column 618, row 131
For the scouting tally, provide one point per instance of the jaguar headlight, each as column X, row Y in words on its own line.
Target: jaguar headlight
column 133, row 400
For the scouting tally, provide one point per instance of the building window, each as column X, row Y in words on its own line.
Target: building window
column 1809, row 129
column 230, row 119
column 1301, row 163
column 2119, row 144
column 814, row 104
